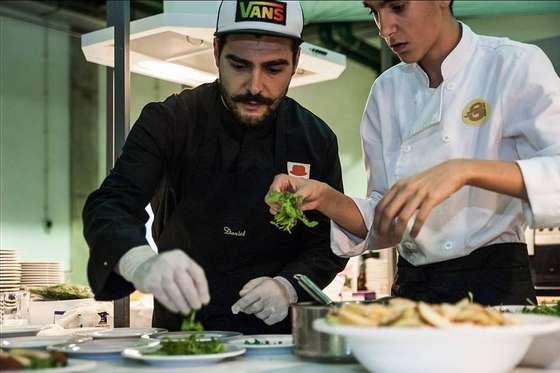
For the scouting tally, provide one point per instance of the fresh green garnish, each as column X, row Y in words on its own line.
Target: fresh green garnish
column 543, row 309
column 63, row 292
column 189, row 346
column 190, row 324
column 257, row 342
column 290, row 211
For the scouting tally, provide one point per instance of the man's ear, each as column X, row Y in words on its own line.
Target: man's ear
column 216, row 52
column 296, row 61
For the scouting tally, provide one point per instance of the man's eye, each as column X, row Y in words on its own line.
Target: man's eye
column 397, row 8
column 237, row 66
column 273, row 71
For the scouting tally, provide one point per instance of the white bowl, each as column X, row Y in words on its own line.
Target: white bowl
column 544, row 352
column 456, row 349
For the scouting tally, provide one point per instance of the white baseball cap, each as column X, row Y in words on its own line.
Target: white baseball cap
column 270, row 17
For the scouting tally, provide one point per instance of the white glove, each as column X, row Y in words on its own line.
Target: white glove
column 267, row 298
column 174, row 279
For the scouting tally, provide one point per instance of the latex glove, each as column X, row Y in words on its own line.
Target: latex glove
column 174, row 279
column 267, row 298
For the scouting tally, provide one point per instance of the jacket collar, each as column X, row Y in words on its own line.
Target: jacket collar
column 455, row 61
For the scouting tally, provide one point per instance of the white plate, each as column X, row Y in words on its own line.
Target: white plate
column 102, row 348
column 217, row 334
column 20, row 330
column 74, row 365
column 543, row 352
column 36, row 342
column 121, row 333
column 465, row 348
column 181, row 360
column 270, row 343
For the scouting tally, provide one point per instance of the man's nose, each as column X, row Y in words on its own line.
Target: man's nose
column 387, row 24
column 256, row 83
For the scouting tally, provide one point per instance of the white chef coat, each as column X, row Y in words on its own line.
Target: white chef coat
column 499, row 100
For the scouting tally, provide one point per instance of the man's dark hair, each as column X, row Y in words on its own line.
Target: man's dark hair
column 223, row 38
column 451, row 7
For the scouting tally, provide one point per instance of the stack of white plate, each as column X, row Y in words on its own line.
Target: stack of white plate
column 40, row 274
column 10, row 271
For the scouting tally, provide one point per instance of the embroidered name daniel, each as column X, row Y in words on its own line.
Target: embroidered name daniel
column 229, row 232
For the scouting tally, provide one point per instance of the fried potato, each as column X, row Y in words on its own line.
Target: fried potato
column 402, row 312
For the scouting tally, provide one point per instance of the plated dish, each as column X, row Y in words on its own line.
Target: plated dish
column 121, row 333
column 264, row 343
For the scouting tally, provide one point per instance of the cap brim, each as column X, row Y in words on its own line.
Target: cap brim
column 260, row 32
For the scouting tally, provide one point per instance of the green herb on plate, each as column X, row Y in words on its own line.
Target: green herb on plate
column 543, row 309
column 63, row 292
column 189, row 346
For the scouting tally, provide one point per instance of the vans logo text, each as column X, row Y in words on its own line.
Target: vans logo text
column 261, row 11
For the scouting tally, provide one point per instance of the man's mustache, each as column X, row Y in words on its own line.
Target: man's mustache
column 248, row 97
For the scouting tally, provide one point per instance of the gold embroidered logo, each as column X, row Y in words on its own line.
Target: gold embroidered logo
column 476, row 113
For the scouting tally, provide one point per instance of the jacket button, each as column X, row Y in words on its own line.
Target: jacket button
column 105, row 264
column 448, row 245
column 446, row 138
column 406, row 148
column 409, row 245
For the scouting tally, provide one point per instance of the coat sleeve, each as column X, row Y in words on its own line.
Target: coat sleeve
column 114, row 216
column 532, row 120
column 344, row 243
column 316, row 259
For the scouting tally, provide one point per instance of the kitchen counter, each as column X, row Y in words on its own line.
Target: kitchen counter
column 251, row 364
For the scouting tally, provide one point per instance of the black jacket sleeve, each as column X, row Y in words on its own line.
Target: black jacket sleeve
column 114, row 216
column 316, row 259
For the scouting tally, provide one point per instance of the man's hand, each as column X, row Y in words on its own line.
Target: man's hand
column 265, row 297
column 417, row 194
column 175, row 280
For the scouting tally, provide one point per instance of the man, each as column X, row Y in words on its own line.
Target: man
column 208, row 155
column 462, row 146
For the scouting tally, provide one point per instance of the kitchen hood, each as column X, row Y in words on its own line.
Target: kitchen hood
column 176, row 46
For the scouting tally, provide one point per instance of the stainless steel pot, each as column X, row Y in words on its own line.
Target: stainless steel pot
column 311, row 344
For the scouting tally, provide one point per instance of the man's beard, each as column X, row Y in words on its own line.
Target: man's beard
column 246, row 120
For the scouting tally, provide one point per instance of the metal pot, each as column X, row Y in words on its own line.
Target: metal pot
column 311, row 344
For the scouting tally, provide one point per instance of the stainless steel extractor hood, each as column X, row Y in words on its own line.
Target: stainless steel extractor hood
column 176, row 46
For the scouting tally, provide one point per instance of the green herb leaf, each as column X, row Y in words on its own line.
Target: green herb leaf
column 550, row 310
column 290, row 211
column 189, row 346
column 190, row 324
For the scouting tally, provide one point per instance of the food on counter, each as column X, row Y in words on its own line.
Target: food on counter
column 402, row 312
column 290, row 211
column 63, row 292
column 190, row 324
column 189, row 346
column 258, row 342
column 92, row 315
column 543, row 309
column 17, row 359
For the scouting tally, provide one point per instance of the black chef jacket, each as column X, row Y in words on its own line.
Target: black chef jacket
column 207, row 177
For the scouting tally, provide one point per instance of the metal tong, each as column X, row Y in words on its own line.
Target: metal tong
column 313, row 290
